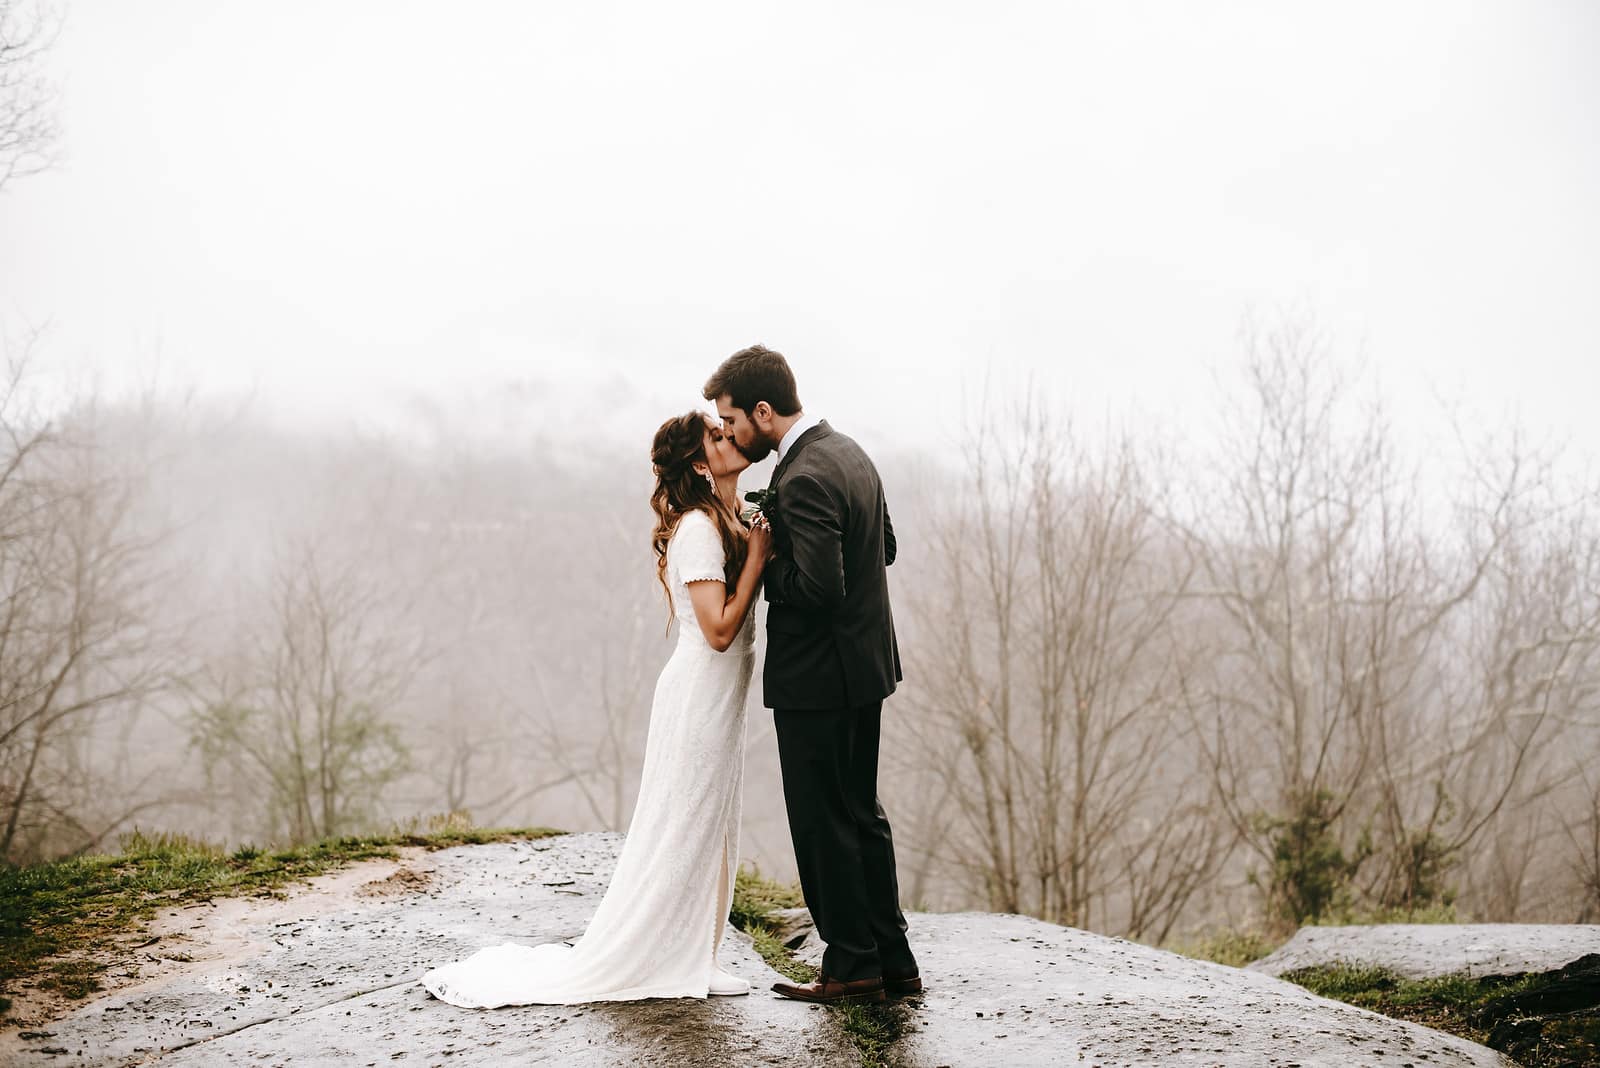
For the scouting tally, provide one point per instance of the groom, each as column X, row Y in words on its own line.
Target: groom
column 831, row 660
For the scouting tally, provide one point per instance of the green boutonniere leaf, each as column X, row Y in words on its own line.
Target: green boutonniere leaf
column 761, row 500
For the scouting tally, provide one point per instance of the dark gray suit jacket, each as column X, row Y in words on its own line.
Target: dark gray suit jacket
column 830, row 633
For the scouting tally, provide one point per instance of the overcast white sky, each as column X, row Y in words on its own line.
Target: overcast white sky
column 492, row 205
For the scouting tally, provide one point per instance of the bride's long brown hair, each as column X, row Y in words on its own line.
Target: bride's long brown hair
column 678, row 446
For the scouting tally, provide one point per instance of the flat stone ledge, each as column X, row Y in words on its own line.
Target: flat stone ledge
column 336, row 982
column 1013, row 990
column 330, row 976
column 1435, row 950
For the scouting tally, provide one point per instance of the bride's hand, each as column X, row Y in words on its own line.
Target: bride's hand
column 760, row 541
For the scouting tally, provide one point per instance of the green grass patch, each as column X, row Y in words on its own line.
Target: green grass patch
column 872, row 1029
column 754, row 900
column 1495, row 1011
column 779, row 959
column 1233, row 948
column 754, row 897
column 59, row 920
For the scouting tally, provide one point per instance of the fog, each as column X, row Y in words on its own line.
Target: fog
column 348, row 207
column 358, row 319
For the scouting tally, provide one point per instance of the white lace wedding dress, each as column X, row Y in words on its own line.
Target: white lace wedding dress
column 656, row 931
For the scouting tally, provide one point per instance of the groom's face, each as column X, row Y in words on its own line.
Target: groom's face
column 745, row 428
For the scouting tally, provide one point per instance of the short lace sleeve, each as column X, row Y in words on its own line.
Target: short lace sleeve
column 696, row 550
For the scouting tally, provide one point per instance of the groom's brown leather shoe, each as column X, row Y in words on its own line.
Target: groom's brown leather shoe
column 902, row 987
column 828, row 991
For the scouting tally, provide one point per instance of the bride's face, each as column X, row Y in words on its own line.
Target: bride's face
column 722, row 456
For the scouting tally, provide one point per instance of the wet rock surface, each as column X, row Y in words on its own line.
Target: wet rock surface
column 1017, row 991
column 329, row 976
column 1427, row 951
column 340, row 986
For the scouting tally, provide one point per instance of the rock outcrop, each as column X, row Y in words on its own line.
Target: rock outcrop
column 339, row 985
column 1015, row 990
column 1430, row 950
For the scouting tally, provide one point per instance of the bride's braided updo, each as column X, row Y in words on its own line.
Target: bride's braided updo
column 678, row 446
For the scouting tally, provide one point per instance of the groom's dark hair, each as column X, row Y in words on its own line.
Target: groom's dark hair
column 753, row 375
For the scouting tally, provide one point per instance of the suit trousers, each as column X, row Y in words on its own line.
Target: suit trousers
column 842, row 841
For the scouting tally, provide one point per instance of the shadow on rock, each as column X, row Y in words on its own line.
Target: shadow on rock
column 1555, row 1017
column 676, row 1031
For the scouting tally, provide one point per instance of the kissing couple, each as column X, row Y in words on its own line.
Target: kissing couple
column 819, row 546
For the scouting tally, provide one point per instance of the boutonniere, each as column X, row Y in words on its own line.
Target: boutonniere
column 762, row 501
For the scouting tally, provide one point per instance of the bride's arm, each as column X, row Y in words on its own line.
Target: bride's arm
column 720, row 615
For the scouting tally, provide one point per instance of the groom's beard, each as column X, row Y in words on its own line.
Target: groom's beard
column 756, row 451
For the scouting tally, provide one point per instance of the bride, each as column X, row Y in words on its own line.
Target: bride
column 657, row 930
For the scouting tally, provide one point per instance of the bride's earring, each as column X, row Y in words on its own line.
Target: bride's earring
column 711, row 480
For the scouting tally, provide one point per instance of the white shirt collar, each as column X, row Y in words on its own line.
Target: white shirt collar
column 801, row 425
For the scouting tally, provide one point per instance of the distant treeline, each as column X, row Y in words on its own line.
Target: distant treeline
column 1292, row 672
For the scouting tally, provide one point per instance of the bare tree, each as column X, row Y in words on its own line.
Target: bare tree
column 1582, row 830
column 1049, row 712
column 28, row 127
column 303, row 726
column 469, row 750
column 598, row 752
column 77, row 587
column 1516, row 669
column 1349, row 742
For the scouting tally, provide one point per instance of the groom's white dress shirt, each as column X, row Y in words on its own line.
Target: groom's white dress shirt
column 801, row 425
